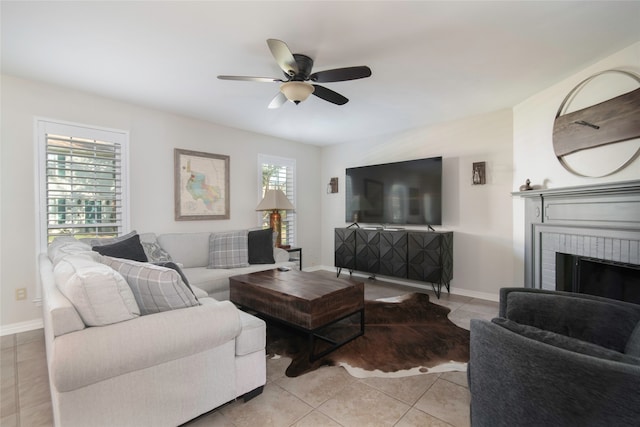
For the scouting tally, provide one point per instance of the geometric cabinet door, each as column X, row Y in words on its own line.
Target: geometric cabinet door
column 393, row 254
column 345, row 248
column 430, row 258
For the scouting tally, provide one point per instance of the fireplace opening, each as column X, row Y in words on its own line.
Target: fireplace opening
column 609, row 279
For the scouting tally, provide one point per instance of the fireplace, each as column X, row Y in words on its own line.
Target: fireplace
column 584, row 239
column 594, row 276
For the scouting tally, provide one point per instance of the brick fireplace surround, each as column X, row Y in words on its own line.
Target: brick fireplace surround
column 596, row 221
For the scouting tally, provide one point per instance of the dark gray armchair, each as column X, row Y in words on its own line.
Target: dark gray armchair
column 556, row 359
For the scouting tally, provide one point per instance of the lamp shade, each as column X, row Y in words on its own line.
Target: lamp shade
column 296, row 91
column 274, row 200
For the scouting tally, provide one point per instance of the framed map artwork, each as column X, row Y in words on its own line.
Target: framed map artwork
column 201, row 185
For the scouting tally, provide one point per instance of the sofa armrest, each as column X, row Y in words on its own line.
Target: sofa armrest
column 520, row 381
column 60, row 316
column 98, row 353
column 602, row 321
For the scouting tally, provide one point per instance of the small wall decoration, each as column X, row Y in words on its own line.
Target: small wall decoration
column 333, row 186
column 479, row 174
column 201, row 185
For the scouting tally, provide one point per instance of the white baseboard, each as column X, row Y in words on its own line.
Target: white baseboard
column 16, row 328
column 455, row 291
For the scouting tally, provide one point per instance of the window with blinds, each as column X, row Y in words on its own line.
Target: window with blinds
column 279, row 173
column 83, row 188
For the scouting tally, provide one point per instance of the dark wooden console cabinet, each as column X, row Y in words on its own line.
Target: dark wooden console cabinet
column 425, row 256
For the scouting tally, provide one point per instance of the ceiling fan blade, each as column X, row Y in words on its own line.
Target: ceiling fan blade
column 341, row 74
column 277, row 101
column 329, row 95
column 283, row 56
column 250, row 79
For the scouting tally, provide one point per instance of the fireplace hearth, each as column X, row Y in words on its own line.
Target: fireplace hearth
column 594, row 276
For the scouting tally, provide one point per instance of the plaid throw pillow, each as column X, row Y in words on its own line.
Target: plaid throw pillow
column 155, row 288
column 228, row 250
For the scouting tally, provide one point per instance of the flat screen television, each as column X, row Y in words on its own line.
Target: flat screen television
column 408, row 192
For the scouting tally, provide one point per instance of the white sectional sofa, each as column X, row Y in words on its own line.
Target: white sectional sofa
column 191, row 251
column 110, row 364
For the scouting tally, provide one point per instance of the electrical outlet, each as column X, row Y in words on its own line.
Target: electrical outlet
column 21, row 293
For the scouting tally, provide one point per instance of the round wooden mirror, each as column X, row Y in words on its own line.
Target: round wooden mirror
column 596, row 131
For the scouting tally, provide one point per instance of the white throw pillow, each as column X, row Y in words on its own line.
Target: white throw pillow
column 99, row 294
column 68, row 245
column 155, row 288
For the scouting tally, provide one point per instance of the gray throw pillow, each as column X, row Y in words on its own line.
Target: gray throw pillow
column 110, row 240
column 261, row 247
column 128, row 249
column 228, row 249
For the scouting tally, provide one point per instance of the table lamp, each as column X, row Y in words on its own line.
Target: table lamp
column 275, row 201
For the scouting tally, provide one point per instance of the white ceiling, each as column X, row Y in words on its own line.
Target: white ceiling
column 432, row 61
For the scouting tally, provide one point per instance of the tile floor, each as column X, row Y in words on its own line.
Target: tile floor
column 326, row 397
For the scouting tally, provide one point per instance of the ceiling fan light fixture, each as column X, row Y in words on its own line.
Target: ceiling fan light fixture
column 296, row 92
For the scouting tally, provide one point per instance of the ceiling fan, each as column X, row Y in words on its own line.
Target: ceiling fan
column 297, row 71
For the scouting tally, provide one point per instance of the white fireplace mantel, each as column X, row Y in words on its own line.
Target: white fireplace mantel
column 599, row 221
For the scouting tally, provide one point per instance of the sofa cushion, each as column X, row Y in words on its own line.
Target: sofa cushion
column 99, row 294
column 199, row 293
column 155, row 288
column 253, row 336
column 260, row 246
column 128, row 249
column 188, row 249
column 210, row 280
column 228, row 249
column 564, row 342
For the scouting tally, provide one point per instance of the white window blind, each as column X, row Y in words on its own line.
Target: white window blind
column 84, row 184
column 279, row 173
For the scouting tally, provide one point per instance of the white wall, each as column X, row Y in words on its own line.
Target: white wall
column 153, row 136
column 479, row 215
column 533, row 155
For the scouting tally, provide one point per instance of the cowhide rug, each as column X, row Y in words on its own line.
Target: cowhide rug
column 403, row 336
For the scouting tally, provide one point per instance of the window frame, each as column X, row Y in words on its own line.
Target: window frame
column 44, row 126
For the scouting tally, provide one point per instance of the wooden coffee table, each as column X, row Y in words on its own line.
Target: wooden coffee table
column 302, row 300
